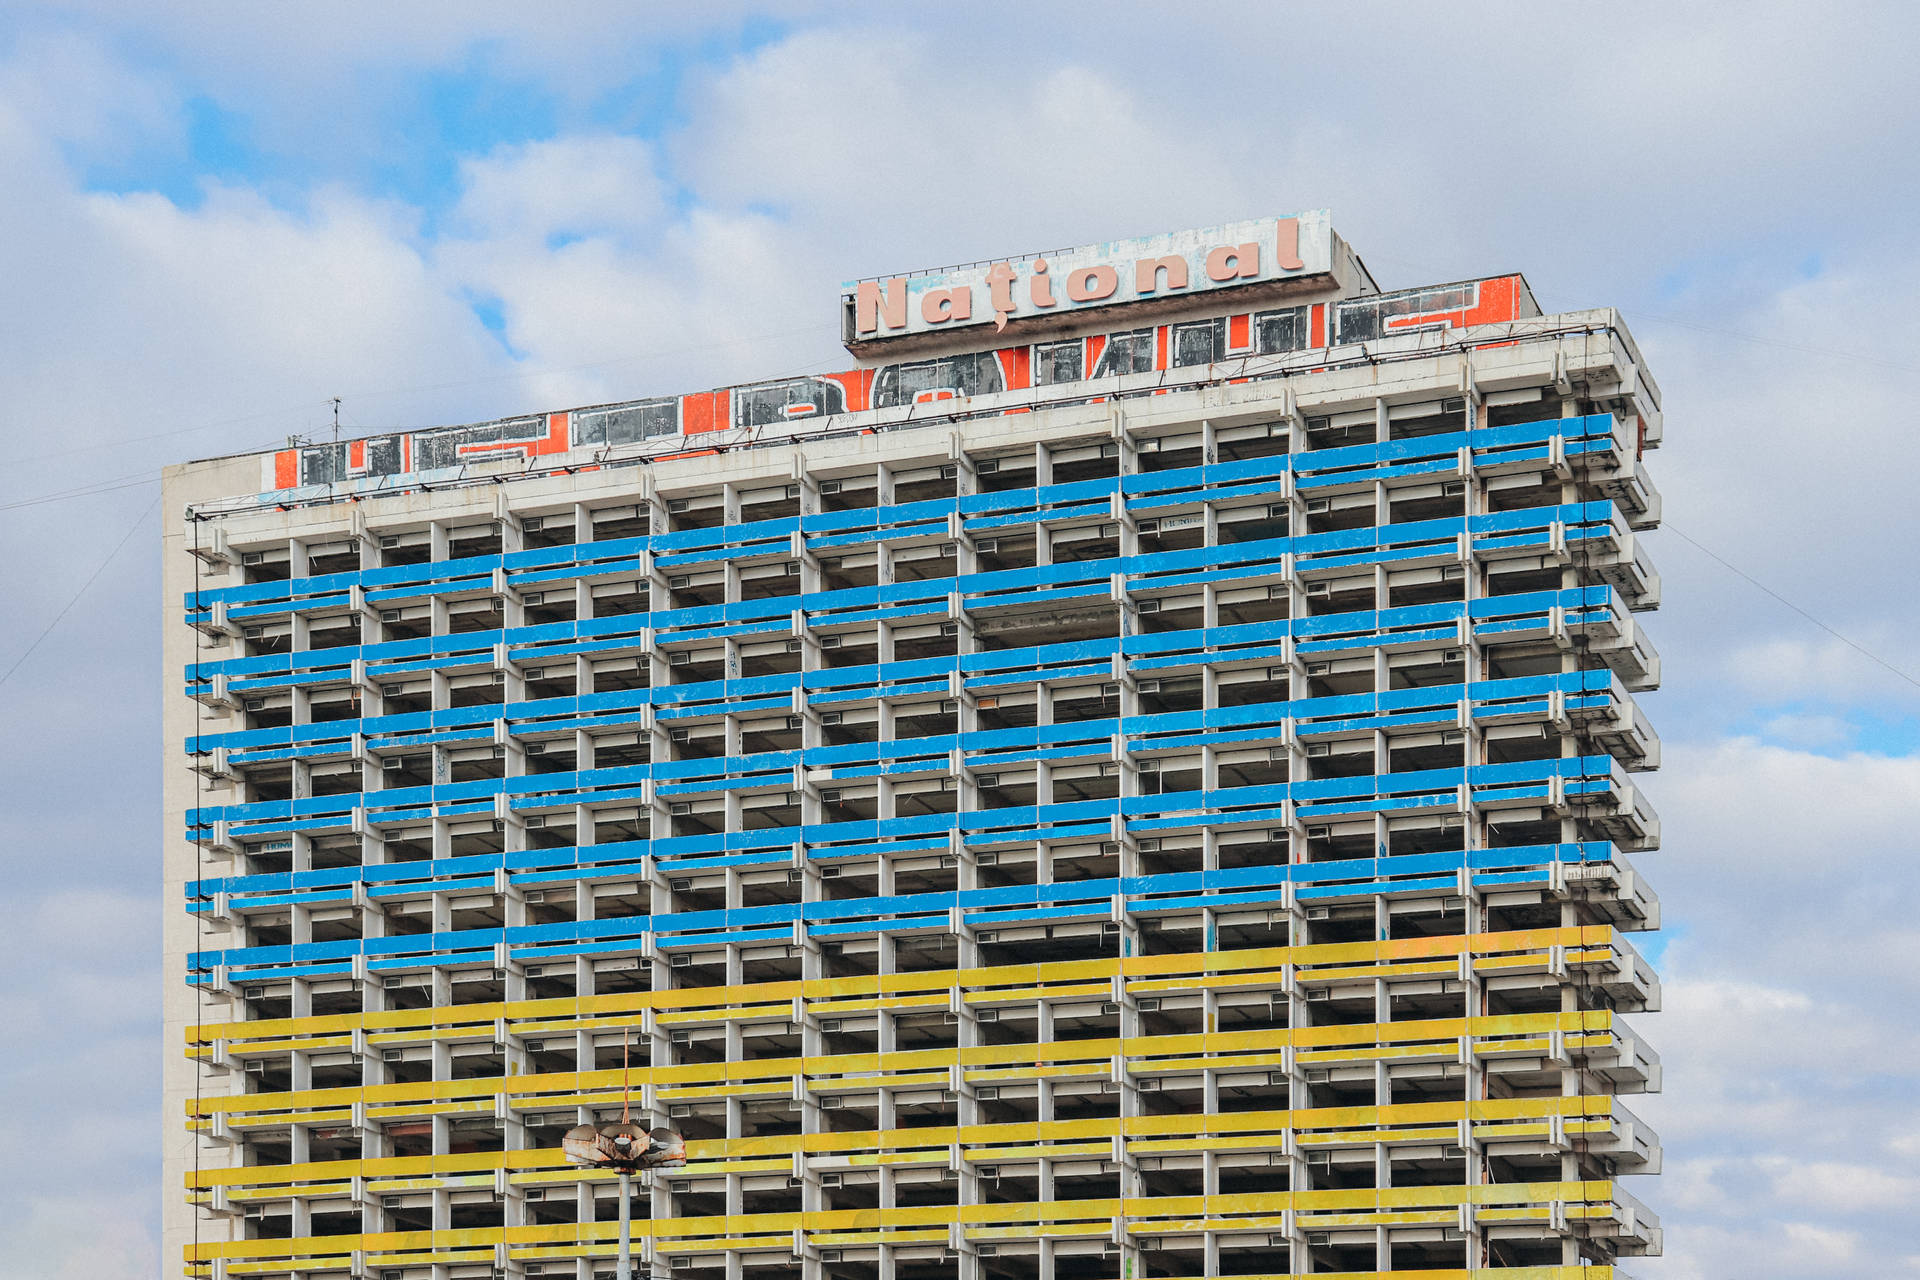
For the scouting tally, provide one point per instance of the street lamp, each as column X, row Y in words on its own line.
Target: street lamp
column 626, row 1147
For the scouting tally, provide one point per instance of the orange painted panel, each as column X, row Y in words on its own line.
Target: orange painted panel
column 706, row 411
column 1239, row 333
column 1016, row 366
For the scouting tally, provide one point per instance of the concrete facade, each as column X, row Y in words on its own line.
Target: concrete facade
column 1066, row 808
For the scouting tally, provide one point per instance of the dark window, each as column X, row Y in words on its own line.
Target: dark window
column 1199, row 343
column 323, row 465
column 1358, row 322
column 1277, row 331
column 977, row 374
column 1055, row 362
column 1129, row 352
column 383, row 455
column 785, row 401
column 628, row 423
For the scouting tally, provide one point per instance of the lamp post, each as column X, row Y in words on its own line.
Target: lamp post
column 624, row 1271
column 624, row 1147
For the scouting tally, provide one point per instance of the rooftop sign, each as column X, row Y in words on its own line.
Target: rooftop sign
column 1163, row 268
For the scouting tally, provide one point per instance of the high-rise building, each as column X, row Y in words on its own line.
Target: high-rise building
column 1134, row 779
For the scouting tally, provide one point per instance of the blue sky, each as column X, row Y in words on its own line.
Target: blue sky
column 428, row 118
column 219, row 216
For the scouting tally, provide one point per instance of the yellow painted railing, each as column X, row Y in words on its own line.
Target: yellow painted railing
column 1524, row 1034
column 1590, row 1201
column 1509, row 1119
column 1492, row 953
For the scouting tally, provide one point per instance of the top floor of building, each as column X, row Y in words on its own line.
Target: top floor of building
column 1256, row 301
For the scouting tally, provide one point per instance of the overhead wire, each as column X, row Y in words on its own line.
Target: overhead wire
column 517, row 375
column 199, row 875
column 84, row 491
column 520, row 375
column 67, row 608
column 1640, row 313
column 120, row 441
column 1735, row 569
column 1722, row 561
column 139, row 479
column 1776, row 344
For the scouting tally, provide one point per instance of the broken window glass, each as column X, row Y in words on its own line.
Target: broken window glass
column 1202, row 342
column 787, row 401
column 323, row 464
column 1279, row 331
column 1057, row 362
column 974, row 374
column 452, row 446
column 383, row 455
column 1364, row 319
column 628, row 423
column 1129, row 352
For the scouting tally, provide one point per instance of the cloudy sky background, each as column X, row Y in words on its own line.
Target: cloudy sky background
column 217, row 216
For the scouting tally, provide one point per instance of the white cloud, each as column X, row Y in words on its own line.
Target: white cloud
column 892, row 152
column 1841, row 1187
column 78, row 1136
column 81, row 1237
column 1823, row 1244
column 690, row 301
column 576, row 186
column 1811, row 665
column 1788, row 459
column 1807, row 732
column 148, row 317
column 1787, row 1047
column 66, row 89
